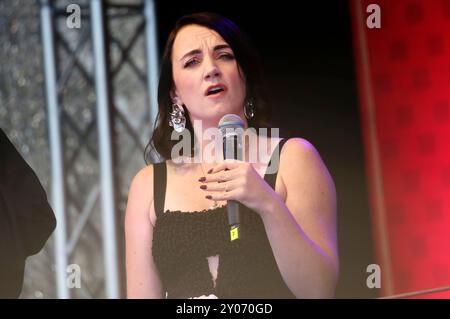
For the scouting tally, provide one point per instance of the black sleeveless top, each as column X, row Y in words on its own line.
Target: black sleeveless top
column 182, row 242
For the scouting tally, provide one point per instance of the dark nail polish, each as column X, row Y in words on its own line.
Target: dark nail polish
column 208, row 196
column 202, row 179
column 203, row 186
column 210, row 171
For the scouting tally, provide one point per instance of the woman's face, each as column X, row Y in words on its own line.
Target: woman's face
column 206, row 76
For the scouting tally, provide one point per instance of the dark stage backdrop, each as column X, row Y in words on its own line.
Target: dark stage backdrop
column 308, row 58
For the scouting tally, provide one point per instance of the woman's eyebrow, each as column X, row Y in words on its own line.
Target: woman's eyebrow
column 192, row 52
column 220, row 47
column 198, row 51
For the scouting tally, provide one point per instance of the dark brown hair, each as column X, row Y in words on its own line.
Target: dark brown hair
column 247, row 59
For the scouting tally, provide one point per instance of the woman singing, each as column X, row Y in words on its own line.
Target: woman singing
column 177, row 233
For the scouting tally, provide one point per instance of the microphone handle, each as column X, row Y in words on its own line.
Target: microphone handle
column 233, row 213
column 230, row 144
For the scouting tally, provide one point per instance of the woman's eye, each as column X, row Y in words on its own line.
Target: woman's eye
column 226, row 56
column 190, row 63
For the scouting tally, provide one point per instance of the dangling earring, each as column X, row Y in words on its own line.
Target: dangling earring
column 249, row 109
column 177, row 119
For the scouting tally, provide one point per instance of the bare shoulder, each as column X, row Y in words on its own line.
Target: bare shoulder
column 298, row 148
column 301, row 161
column 140, row 196
column 143, row 181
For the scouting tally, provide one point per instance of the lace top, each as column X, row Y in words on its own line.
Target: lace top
column 182, row 242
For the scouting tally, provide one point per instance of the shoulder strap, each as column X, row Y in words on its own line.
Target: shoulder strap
column 272, row 178
column 159, row 186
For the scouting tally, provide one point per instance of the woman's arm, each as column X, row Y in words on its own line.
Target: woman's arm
column 142, row 276
column 302, row 229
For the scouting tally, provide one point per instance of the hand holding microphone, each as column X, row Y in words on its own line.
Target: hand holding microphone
column 236, row 181
column 232, row 128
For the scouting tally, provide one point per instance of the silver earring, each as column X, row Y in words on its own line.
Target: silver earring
column 177, row 119
column 249, row 109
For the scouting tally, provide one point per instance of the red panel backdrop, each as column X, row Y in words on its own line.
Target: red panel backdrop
column 403, row 72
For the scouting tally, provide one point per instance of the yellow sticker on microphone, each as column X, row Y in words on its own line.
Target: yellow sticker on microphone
column 234, row 233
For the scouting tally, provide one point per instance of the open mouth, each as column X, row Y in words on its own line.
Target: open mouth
column 215, row 90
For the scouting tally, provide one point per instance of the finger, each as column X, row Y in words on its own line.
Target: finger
column 222, row 176
column 226, row 164
column 221, row 187
column 219, row 196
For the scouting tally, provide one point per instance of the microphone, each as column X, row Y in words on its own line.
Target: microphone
column 231, row 127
